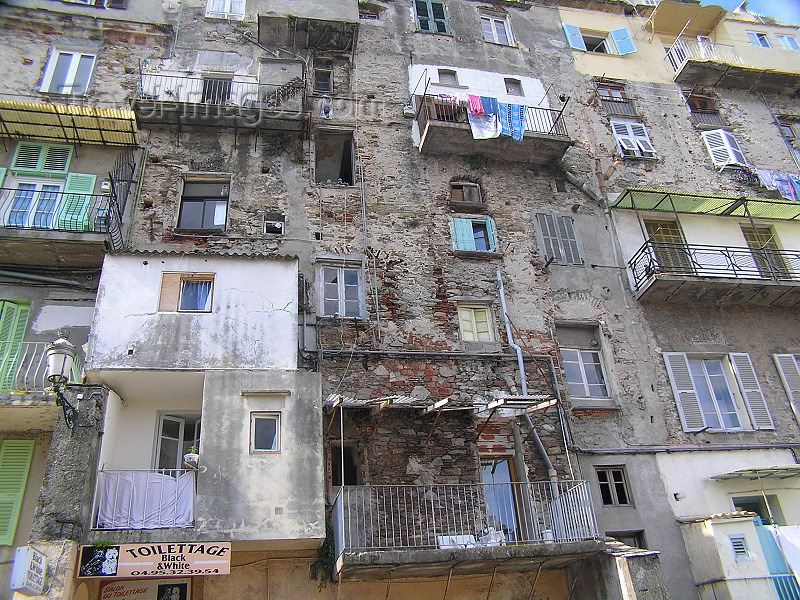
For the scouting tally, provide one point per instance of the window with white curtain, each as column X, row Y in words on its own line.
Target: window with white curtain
column 225, row 9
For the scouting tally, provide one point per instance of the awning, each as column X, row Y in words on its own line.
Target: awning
column 67, row 124
column 779, row 472
column 707, row 204
column 680, row 18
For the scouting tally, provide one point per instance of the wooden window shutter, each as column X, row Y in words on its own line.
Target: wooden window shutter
column 569, row 243
column 549, row 237
column 623, row 41
column 439, row 17
column 685, row 393
column 170, row 292
column 41, row 159
column 15, row 463
column 574, row 37
column 463, row 237
column 491, row 234
column 424, row 21
column 13, row 322
column 751, row 390
column 2, row 175
column 790, row 375
column 73, row 214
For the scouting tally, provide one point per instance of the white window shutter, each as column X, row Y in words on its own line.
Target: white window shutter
column 724, row 148
column 680, row 378
column 790, row 375
column 549, row 237
column 736, row 150
column 751, row 390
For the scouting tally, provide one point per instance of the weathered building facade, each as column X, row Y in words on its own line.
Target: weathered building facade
column 543, row 354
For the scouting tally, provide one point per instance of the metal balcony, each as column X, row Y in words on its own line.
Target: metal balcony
column 55, row 228
column 23, row 367
column 415, row 529
column 144, row 499
column 444, row 129
column 669, row 272
column 219, row 100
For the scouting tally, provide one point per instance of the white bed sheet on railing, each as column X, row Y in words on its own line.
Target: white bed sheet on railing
column 142, row 500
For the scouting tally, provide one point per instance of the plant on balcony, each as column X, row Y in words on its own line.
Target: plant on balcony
column 192, row 457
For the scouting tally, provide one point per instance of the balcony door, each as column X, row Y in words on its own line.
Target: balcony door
column 766, row 253
column 501, row 498
column 176, row 434
column 33, row 204
column 669, row 247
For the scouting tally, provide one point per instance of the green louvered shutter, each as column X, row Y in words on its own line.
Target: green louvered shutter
column 2, row 176
column 15, row 462
column 13, row 322
column 44, row 160
column 73, row 214
column 490, row 232
column 463, row 238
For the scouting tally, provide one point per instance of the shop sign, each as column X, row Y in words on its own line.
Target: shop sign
column 155, row 560
column 30, row 566
column 165, row 589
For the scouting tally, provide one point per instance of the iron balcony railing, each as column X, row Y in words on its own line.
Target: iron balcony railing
column 545, row 121
column 684, row 49
column 223, row 91
column 697, row 260
column 385, row 517
column 28, row 207
column 144, row 499
column 783, row 586
column 23, row 367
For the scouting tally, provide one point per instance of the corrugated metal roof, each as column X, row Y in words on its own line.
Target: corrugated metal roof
column 205, row 252
column 637, row 198
column 67, row 124
column 775, row 472
column 736, row 514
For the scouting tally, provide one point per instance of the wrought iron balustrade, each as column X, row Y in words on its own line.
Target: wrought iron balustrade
column 23, row 367
column 699, row 260
column 144, row 499
column 222, row 91
column 385, row 517
column 546, row 121
column 684, row 49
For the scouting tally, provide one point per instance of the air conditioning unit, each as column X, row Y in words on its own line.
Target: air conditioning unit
column 273, row 226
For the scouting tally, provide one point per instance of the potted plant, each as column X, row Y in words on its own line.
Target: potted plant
column 191, row 457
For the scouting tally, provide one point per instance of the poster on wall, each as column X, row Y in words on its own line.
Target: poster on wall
column 155, row 560
column 171, row 589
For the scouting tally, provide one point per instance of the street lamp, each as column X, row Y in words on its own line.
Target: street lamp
column 60, row 358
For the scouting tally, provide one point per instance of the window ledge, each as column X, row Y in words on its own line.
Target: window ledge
column 645, row 158
column 477, row 254
column 433, row 33
column 47, row 94
column 594, row 404
column 334, row 186
column 707, row 127
column 482, row 347
column 199, row 231
column 338, row 318
column 468, row 206
column 499, row 44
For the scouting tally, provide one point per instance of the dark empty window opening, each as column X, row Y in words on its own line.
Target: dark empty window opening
column 323, row 80
column 350, row 465
column 513, row 87
column 701, row 104
column 465, row 193
column 770, row 511
column 216, row 90
column 274, row 223
column 595, row 44
column 334, row 158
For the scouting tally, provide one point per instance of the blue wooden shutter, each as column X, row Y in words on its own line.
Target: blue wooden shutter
column 490, row 232
column 15, row 463
column 623, row 41
column 463, row 238
column 574, row 37
column 73, row 214
column 13, row 322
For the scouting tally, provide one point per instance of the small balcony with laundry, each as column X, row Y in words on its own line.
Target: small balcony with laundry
column 465, row 111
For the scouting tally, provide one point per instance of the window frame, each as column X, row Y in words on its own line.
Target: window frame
column 565, row 240
column 616, row 42
column 611, row 485
column 464, row 243
column 584, row 382
column 448, row 73
column 204, row 199
column 633, row 144
column 323, row 74
column 788, row 41
column 494, row 21
column 265, row 415
column 341, row 293
column 227, row 14
column 473, row 203
column 722, row 144
column 512, row 81
column 759, row 39
column 434, row 24
column 70, row 75
column 742, row 539
column 470, row 309
column 171, row 291
column 32, row 212
column 326, row 136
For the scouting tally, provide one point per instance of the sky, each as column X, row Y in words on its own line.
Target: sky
column 785, row 11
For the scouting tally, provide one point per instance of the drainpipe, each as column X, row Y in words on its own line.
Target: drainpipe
column 551, row 472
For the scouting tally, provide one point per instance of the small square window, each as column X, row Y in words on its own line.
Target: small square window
column 474, row 235
column 513, row 87
column 341, row 291
column 186, row 292
column 265, row 432
column 204, row 205
column 476, row 323
column 613, row 486
column 465, row 194
column 274, row 223
column 448, row 77
column 68, row 72
column 323, row 80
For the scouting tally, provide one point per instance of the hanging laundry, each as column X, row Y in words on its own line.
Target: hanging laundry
column 784, row 186
column 475, row 105
column 795, row 181
column 326, row 108
column 765, row 176
column 512, row 120
column 484, row 127
column 490, row 105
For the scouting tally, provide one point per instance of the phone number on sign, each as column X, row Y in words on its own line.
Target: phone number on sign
column 161, row 573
